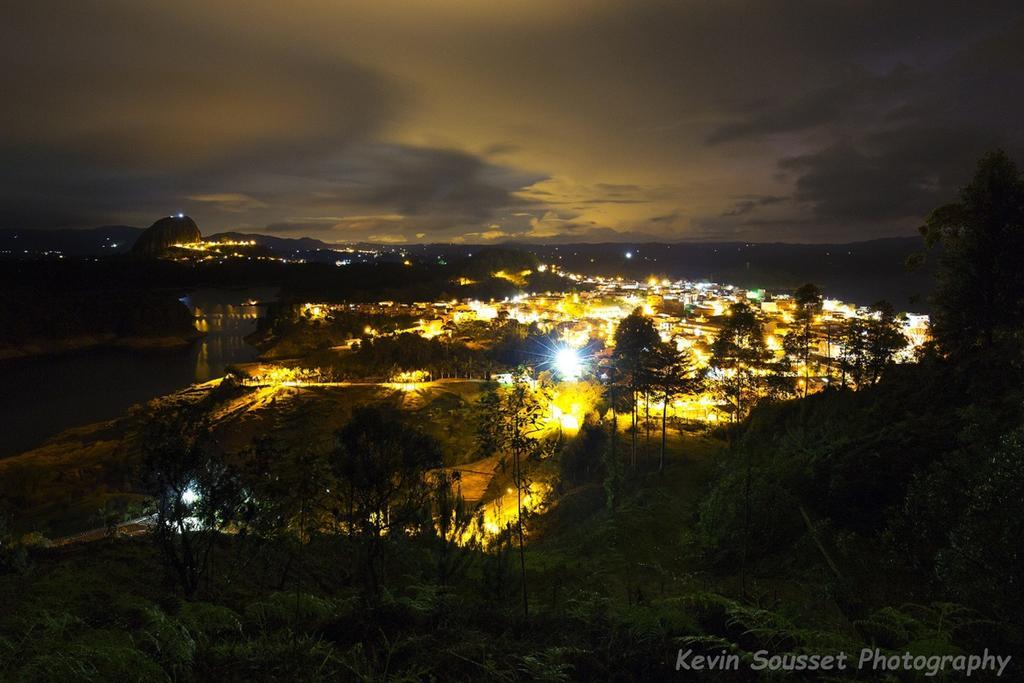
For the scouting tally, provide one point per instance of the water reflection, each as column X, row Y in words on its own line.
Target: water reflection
column 226, row 317
column 44, row 396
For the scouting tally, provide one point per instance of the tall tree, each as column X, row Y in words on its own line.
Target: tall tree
column 635, row 343
column 870, row 344
column 488, row 430
column 455, row 527
column 798, row 345
column 740, row 359
column 674, row 374
column 521, row 417
column 287, row 485
column 979, row 297
column 613, row 391
column 382, row 463
column 197, row 493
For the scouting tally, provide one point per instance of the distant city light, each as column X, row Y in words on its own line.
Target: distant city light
column 181, row 215
column 629, row 254
column 568, row 363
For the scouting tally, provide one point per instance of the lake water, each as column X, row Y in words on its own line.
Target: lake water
column 41, row 397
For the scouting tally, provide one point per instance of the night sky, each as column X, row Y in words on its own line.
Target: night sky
column 486, row 120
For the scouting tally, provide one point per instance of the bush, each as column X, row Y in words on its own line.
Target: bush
column 280, row 610
column 775, row 520
column 275, row 656
column 208, row 623
column 582, row 460
column 983, row 565
column 167, row 642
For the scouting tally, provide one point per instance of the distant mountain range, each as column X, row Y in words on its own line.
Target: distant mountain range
column 862, row 272
column 105, row 240
column 119, row 239
column 280, row 244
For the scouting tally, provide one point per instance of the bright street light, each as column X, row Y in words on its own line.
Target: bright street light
column 568, row 363
column 190, row 495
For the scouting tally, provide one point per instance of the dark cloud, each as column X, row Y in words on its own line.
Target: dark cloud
column 593, row 119
column 112, row 112
column 375, row 189
column 890, row 175
column 748, row 204
column 300, row 227
column 845, row 98
column 120, row 85
column 885, row 150
column 435, row 184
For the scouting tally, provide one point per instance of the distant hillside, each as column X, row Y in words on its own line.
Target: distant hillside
column 105, row 240
column 279, row 244
column 862, row 272
column 859, row 272
column 119, row 239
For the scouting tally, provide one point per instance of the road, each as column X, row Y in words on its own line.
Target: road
column 132, row 527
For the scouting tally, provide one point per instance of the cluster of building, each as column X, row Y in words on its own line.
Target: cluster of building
column 688, row 314
column 222, row 250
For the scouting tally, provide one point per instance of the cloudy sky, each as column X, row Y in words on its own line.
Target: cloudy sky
column 486, row 120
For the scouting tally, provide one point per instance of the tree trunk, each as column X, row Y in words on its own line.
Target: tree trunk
column 522, row 550
column 746, row 527
column 647, row 425
column 632, row 429
column 664, row 415
column 615, row 422
column 828, row 350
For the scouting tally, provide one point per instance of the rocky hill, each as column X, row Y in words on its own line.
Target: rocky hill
column 165, row 233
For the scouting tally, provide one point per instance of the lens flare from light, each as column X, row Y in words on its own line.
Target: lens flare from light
column 568, row 363
column 190, row 495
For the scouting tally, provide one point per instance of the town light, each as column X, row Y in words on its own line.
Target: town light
column 568, row 363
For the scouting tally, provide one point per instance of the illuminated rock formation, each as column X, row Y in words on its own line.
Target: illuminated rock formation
column 164, row 234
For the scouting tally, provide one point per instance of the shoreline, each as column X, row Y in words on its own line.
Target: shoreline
column 40, row 349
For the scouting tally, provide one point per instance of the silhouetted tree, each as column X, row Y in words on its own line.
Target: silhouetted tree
column 798, row 345
column 870, row 344
column 979, row 297
column 635, row 342
column 673, row 374
column 583, row 458
column 13, row 555
column 520, row 417
column 197, row 493
column 381, row 463
column 287, row 487
column 456, row 525
column 488, row 430
column 982, row 564
column 740, row 359
column 613, row 395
